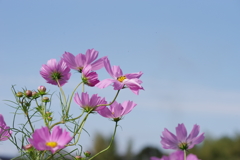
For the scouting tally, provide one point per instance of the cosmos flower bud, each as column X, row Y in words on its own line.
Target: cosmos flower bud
column 48, row 113
column 87, row 154
column 28, row 93
column 78, row 158
column 34, row 93
column 19, row 94
column 42, row 90
column 49, row 118
column 45, row 99
column 28, row 147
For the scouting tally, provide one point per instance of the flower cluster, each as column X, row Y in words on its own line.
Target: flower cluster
column 47, row 142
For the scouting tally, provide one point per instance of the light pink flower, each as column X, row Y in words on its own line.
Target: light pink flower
column 5, row 132
column 80, row 61
column 181, row 140
column 121, row 80
column 88, row 103
column 42, row 139
column 117, row 110
column 53, row 72
column 178, row 155
column 89, row 77
column 163, row 158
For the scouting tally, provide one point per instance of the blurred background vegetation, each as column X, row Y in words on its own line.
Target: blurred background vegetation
column 224, row 148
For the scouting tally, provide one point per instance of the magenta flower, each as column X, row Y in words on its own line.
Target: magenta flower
column 178, row 155
column 81, row 61
column 54, row 72
column 89, row 77
column 181, row 140
column 117, row 110
column 5, row 132
column 120, row 80
column 88, row 103
column 163, row 158
column 42, row 139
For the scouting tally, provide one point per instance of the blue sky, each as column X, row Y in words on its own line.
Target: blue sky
column 188, row 51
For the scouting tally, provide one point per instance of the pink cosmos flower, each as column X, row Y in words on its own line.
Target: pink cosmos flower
column 81, row 60
column 42, row 139
column 163, row 158
column 88, row 103
column 120, row 80
column 5, row 132
column 89, row 77
column 181, row 140
column 53, row 72
column 117, row 110
column 178, row 155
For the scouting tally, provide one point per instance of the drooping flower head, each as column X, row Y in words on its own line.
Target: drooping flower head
column 181, row 140
column 80, row 61
column 121, row 80
column 117, row 110
column 88, row 103
column 54, row 72
column 42, row 139
column 89, row 77
column 178, row 155
column 5, row 132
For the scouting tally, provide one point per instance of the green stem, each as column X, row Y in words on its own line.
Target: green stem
column 29, row 121
column 114, row 133
column 70, row 100
column 80, row 128
column 76, row 117
column 185, row 156
column 83, row 88
column 112, row 101
column 62, row 122
column 62, row 92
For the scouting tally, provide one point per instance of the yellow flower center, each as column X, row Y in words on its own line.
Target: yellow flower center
column 51, row 144
column 183, row 146
column 121, row 79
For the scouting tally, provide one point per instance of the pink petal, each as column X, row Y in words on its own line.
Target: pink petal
column 104, row 83
column 134, row 75
column 117, row 85
column 105, row 112
column 108, row 67
column 192, row 157
column 117, row 109
column 181, row 132
column 80, row 60
column 98, row 64
column 77, row 99
column 117, row 72
column 69, row 58
column 128, row 106
column 169, row 140
column 194, row 132
column 91, row 55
